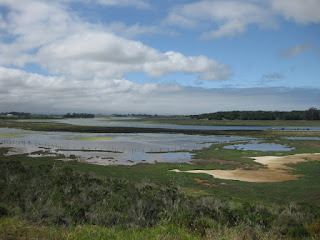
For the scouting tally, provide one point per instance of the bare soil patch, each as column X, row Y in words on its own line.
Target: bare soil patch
column 205, row 182
column 276, row 169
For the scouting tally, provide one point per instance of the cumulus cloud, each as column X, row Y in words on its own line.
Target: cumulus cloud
column 228, row 18
column 176, row 62
column 32, row 24
column 135, row 3
column 306, row 11
column 104, row 55
column 36, row 93
column 231, row 17
column 46, row 34
column 132, row 31
column 2, row 22
column 85, row 64
column 295, row 50
column 115, row 3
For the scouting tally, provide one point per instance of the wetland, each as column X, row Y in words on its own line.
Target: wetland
column 193, row 179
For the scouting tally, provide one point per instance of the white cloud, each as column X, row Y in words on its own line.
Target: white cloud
column 173, row 62
column 36, row 93
column 301, row 11
column 90, row 62
column 295, row 50
column 135, row 3
column 177, row 19
column 104, row 55
column 2, row 22
column 229, row 29
column 32, row 24
column 114, row 3
column 46, row 34
column 132, row 31
column 228, row 18
column 40, row 92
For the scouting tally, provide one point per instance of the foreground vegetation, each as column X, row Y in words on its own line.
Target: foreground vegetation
column 62, row 197
column 49, row 199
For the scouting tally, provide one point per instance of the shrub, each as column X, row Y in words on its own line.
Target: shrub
column 314, row 229
column 49, row 195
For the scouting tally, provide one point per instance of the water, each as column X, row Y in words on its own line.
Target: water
column 264, row 147
column 120, row 148
column 107, row 123
column 302, row 138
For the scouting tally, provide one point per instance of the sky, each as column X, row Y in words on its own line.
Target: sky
column 159, row 56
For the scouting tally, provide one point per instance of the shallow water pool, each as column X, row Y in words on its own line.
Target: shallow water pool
column 264, row 147
column 106, row 149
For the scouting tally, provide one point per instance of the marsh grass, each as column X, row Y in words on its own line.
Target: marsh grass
column 10, row 135
column 145, row 200
column 185, row 120
column 303, row 190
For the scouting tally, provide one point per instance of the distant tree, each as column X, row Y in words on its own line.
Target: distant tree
column 79, row 115
column 312, row 114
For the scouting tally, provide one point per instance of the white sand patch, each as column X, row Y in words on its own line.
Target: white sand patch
column 276, row 169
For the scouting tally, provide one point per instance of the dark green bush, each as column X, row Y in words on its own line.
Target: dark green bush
column 61, row 196
column 297, row 231
column 3, row 211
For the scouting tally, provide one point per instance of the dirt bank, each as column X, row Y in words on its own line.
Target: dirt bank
column 275, row 170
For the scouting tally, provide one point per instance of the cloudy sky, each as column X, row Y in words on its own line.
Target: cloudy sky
column 159, row 56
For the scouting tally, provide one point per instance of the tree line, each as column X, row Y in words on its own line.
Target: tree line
column 78, row 115
column 26, row 115
column 16, row 114
column 310, row 114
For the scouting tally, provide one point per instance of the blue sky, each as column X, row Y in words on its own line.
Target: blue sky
column 164, row 57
